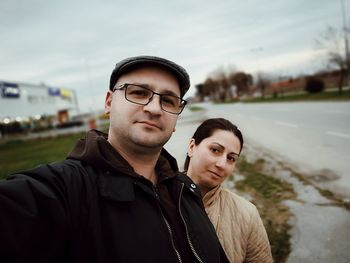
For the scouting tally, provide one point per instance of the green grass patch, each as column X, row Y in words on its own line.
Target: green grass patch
column 195, row 108
column 265, row 185
column 322, row 96
column 279, row 239
column 19, row 155
column 268, row 193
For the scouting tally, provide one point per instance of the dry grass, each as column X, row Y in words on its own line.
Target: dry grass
column 268, row 194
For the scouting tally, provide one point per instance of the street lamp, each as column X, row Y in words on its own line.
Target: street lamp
column 346, row 42
column 256, row 53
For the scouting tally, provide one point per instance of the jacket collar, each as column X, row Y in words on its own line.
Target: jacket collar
column 97, row 151
column 122, row 186
column 117, row 179
column 189, row 184
column 210, row 197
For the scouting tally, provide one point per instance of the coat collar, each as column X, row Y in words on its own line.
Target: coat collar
column 121, row 187
column 210, row 197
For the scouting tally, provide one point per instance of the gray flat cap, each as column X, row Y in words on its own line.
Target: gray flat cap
column 128, row 64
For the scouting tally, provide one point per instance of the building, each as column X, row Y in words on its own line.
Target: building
column 26, row 103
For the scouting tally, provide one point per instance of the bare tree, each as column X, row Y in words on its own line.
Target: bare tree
column 332, row 40
column 201, row 91
column 209, row 88
column 263, row 81
column 219, row 84
column 242, row 81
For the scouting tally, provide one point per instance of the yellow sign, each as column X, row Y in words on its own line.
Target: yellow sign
column 66, row 93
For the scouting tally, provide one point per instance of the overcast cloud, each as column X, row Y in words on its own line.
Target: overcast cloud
column 75, row 44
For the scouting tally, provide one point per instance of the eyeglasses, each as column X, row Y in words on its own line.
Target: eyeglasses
column 141, row 95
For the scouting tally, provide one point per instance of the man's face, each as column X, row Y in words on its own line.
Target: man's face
column 141, row 126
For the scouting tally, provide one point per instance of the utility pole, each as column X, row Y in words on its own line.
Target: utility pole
column 346, row 42
column 256, row 53
column 258, row 76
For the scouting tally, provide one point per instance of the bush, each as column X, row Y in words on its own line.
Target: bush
column 314, row 85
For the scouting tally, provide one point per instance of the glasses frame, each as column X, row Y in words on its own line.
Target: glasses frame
column 124, row 86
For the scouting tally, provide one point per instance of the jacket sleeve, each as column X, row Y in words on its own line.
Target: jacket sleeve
column 258, row 245
column 32, row 220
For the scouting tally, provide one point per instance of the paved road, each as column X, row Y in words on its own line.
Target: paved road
column 315, row 136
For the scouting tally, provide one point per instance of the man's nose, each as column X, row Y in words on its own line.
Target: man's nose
column 153, row 106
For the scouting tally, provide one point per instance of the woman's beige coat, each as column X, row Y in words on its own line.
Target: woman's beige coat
column 238, row 225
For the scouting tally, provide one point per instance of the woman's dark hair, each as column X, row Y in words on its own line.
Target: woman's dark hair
column 208, row 127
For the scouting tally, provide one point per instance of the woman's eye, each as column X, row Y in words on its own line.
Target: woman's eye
column 231, row 159
column 215, row 150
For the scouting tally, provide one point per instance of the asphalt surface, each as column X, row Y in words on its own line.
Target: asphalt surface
column 315, row 136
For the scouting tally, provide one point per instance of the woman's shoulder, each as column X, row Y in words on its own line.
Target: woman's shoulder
column 238, row 202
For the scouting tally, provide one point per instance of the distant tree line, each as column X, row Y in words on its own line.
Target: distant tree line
column 227, row 85
column 224, row 86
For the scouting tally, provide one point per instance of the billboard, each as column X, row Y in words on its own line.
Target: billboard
column 9, row 90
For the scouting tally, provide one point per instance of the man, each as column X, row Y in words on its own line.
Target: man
column 116, row 198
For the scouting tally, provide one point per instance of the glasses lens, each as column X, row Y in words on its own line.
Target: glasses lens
column 138, row 94
column 141, row 95
column 171, row 104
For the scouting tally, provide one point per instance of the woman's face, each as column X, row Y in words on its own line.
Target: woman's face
column 213, row 160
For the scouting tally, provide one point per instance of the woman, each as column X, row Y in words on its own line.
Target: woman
column 211, row 158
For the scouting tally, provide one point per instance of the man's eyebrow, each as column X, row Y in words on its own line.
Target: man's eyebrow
column 166, row 92
column 170, row 92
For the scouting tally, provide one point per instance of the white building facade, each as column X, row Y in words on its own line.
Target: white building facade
column 22, row 100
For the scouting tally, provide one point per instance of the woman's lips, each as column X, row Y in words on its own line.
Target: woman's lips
column 215, row 174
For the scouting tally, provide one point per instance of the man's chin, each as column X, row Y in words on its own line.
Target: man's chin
column 151, row 142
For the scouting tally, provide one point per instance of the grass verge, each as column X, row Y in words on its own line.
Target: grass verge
column 20, row 155
column 322, row 96
column 195, row 108
column 268, row 193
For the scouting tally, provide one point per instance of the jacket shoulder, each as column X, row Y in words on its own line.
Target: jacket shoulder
column 238, row 201
column 239, row 208
column 59, row 180
column 65, row 169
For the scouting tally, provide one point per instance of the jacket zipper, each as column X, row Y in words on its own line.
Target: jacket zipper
column 186, row 228
column 168, row 227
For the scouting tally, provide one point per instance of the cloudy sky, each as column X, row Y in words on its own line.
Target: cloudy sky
column 75, row 44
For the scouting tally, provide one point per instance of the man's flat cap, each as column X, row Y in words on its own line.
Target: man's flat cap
column 128, row 64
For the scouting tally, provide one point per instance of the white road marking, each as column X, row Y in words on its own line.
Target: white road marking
column 339, row 134
column 337, row 112
column 286, row 124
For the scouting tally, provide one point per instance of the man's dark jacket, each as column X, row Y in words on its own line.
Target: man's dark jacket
column 93, row 207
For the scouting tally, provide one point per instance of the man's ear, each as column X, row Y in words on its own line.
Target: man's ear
column 190, row 147
column 108, row 102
